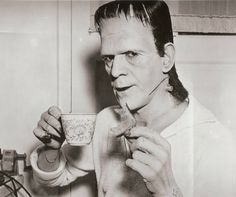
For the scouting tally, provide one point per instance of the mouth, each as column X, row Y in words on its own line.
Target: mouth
column 122, row 89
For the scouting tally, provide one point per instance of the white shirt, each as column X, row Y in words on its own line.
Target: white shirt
column 202, row 151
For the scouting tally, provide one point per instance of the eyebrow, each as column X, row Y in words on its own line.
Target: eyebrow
column 123, row 52
column 107, row 55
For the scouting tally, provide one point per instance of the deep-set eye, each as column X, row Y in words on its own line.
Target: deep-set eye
column 107, row 59
column 131, row 54
column 133, row 57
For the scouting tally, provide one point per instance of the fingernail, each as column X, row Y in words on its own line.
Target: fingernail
column 128, row 162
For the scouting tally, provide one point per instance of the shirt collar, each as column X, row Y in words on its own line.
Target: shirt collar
column 194, row 114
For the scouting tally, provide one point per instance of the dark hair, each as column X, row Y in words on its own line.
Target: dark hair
column 156, row 14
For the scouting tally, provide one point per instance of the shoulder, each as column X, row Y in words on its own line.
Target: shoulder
column 212, row 140
column 215, row 147
column 209, row 133
column 214, row 155
column 205, row 124
column 209, row 130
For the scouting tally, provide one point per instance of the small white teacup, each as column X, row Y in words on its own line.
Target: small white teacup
column 78, row 128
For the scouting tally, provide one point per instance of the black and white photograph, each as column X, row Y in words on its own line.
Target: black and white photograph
column 118, row 98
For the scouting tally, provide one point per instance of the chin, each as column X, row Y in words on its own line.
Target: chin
column 135, row 103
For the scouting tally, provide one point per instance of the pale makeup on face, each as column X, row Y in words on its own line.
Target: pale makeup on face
column 131, row 59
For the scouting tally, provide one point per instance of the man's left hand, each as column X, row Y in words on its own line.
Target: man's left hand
column 151, row 158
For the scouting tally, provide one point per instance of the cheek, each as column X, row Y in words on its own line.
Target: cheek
column 155, row 69
column 149, row 75
column 140, row 62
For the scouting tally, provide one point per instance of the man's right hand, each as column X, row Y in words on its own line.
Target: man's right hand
column 49, row 129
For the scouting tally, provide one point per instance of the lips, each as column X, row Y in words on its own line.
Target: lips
column 122, row 89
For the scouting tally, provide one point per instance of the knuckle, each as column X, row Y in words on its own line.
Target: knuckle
column 54, row 111
column 38, row 132
column 140, row 141
column 159, row 165
column 157, row 171
column 49, row 119
column 52, row 108
column 151, row 176
column 41, row 124
column 43, row 115
column 47, row 127
column 156, row 174
column 35, row 131
column 51, row 111
column 135, row 154
column 58, row 126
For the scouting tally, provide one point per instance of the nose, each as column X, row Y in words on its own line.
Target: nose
column 118, row 67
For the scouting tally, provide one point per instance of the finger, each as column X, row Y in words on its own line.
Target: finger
column 47, row 139
column 52, row 121
column 55, row 112
column 147, row 146
column 39, row 132
column 127, row 121
column 48, row 128
column 145, row 171
column 149, row 134
column 148, row 160
column 42, row 135
column 60, row 140
column 123, row 127
column 125, row 113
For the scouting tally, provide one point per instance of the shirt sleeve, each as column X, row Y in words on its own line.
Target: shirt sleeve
column 70, row 168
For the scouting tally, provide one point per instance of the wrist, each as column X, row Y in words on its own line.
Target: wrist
column 51, row 155
column 48, row 159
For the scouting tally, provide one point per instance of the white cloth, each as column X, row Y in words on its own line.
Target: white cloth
column 203, row 158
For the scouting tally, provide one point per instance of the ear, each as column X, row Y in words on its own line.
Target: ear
column 169, row 57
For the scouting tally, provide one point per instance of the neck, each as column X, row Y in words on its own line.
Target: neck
column 161, row 111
